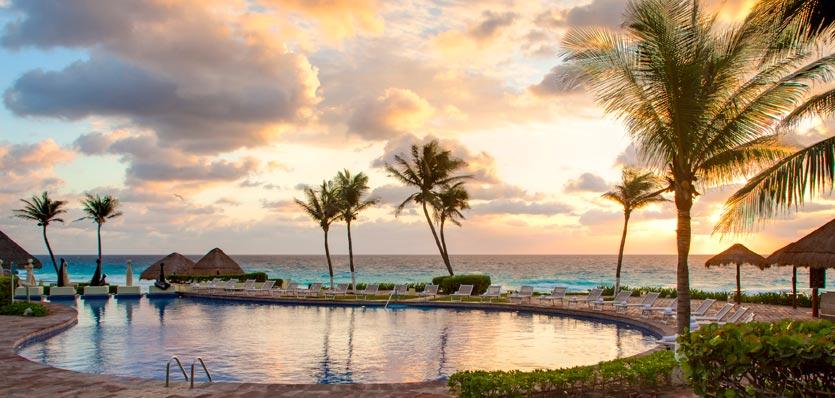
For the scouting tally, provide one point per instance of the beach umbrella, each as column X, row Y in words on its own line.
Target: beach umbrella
column 129, row 274
column 66, row 275
column 176, row 263
column 816, row 251
column 215, row 263
column 30, row 274
column 736, row 255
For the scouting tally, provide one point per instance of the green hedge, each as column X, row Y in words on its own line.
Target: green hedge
column 390, row 286
column 18, row 308
column 258, row 276
column 789, row 358
column 803, row 300
column 449, row 284
column 619, row 377
column 5, row 290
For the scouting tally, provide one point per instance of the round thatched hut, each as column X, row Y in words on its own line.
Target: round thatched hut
column 175, row 264
column 10, row 252
column 736, row 255
column 215, row 263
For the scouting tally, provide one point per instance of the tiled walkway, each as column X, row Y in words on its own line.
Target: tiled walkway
column 23, row 378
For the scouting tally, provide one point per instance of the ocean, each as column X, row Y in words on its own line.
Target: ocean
column 578, row 272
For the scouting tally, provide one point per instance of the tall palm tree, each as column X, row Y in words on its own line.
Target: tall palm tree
column 43, row 210
column 429, row 167
column 702, row 102
column 321, row 205
column 449, row 203
column 351, row 191
column 99, row 209
column 637, row 189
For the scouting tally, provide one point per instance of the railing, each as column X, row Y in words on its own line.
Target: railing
column 393, row 292
column 205, row 370
column 182, row 369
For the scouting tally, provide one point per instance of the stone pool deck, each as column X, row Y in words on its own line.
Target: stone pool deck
column 23, row 378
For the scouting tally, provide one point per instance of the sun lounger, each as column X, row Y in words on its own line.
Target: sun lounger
column 401, row 290
column 463, row 291
column 524, row 293
column 667, row 312
column 228, row 286
column 717, row 316
column 93, row 292
column 621, row 298
column 429, row 290
column 701, row 310
column 154, row 291
column 265, row 287
column 593, row 296
column 314, row 290
column 646, row 302
column 34, row 292
column 248, row 285
column 61, row 293
column 733, row 318
column 370, row 290
column 557, row 293
column 128, row 292
column 340, row 290
column 493, row 292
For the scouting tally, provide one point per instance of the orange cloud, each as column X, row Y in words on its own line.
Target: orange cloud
column 339, row 19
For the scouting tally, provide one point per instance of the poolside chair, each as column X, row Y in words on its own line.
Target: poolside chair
column 734, row 318
column 593, row 296
column 524, row 293
column 291, row 290
column 463, row 291
column 265, row 287
column 314, row 290
column 717, row 316
column 703, row 307
column 667, row 312
column 340, row 290
column 429, row 290
column 648, row 301
column 370, row 290
column 229, row 285
column 557, row 293
column 400, row 290
column 494, row 291
column 621, row 298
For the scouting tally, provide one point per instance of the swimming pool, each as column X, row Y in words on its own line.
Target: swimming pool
column 277, row 343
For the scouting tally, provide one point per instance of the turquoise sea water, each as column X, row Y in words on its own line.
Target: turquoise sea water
column 578, row 272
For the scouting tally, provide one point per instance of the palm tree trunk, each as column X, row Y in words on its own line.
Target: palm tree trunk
column 443, row 244
column 328, row 256
column 684, row 201
column 51, row 255
column 96, row 280
column 620, row 251
column 351, row 259
column 437, row 241
column 738, row 289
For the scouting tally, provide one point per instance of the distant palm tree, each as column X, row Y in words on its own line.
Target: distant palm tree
column 637, row 189
column 43, row 210
column 449, row 203
column 99, row 209
column 322, row 206
column 351, row 190
column 428, row 169
column 702, row 102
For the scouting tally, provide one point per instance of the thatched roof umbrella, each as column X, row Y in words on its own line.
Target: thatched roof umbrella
column 816, row 251
column 175, row 264
column 10, row 252
column 215, row 263
column 736, row 255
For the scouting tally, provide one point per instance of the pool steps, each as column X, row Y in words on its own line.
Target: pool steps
column 183, row 370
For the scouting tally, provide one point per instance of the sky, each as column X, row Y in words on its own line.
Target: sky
column 206, row 118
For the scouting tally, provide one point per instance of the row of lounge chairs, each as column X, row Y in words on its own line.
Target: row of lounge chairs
column 291, row 289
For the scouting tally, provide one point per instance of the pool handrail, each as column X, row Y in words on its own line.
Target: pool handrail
column 205, row 370
column 168, row 369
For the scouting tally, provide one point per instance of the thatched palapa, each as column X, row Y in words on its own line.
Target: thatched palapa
column 216, row 262
column 736, row 255
column 10, row 252
column 816, row 250
column 175, row 264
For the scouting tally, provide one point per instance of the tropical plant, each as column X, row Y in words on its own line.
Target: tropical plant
column 448, row 205
column 351, row 191
column 321, row 205
column 637, row 189
column 430, row 167
column 43, row 210
column 99, row 209
column 701, row 101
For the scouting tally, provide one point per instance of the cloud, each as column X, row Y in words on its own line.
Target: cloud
column 560, row 80
column 597, row 217
column 339, row 19
column 391, row 194
column 28, row 167
column 395, row 112
column 602, row 13
column 587, row 182
column 506, row 206
column 491, row 24
column 480, row 165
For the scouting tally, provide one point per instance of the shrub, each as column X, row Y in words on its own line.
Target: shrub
column 619, row 377
column 789, row 358
column 803, row 300
column 449, row 284
column 390, row 286
column 258, row 276
column 18, row 308
column 5, row 290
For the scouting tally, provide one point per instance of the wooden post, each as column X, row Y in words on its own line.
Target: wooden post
column 794, row 286
column 738, row 289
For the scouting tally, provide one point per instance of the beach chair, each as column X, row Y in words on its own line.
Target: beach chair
column 229, row 285
column 668, row 311
column 593, row 296
column 647, row 301
column 557, row 293
column 314, row 290
column 717, row 316
column 701, row 310
column 524, row 293
column 291, row 290
column 734, row 318
column 429, row 290
column 621, row 298
column 265, row 287
column 340, row 290
column 370, row 290
column 463, row 291
column 248, row 285
column 494, row 291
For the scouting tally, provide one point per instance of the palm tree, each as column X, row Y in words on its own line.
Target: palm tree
column 351, row 190
column 637, row 189
column 701, row 102
column 429, row 168
column 43, row 210
column 321, row 205
column 448, row 204
column 99, row 209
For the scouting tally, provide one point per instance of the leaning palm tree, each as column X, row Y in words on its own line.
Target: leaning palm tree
column 702, row 102
column 351, row 190
column 429, row 167
column 321, row 205
column 637, row 189
column 43, row 210
column 449, row 203
column 99, row 209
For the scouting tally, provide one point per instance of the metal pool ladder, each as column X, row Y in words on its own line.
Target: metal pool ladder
column 205, row 370
column 183, row 370
column 168, row 369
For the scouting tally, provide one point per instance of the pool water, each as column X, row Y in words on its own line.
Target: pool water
column 275, row 343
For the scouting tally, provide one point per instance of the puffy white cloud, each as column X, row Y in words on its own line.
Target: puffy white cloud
column 509, row 206
column 586, row 182
column 25, row 168
column 395, row 112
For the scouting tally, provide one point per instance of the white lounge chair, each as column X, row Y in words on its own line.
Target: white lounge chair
column 557, row 293
column 463, row 291
column 128, row 292
column 668, row 311
column 340, row 290
column 61, row 293
column 701, row 310
column 647, row 301
column 429, row 290
column 593, row 296
column 621, row 298
column 524, row 293
column 314, row 290
column 717, row 316
column 227, row 286
column 493, row 292
column 265, row 287
column 370, row 290
column 733, row 318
